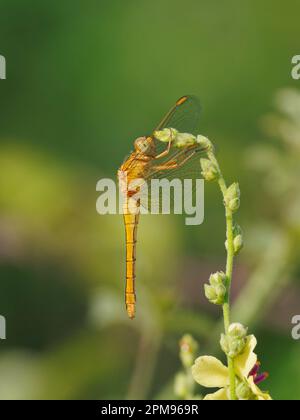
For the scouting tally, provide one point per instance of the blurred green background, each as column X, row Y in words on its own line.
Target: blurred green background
column 84, row 78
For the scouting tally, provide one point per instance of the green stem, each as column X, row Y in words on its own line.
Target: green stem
column 229, row 271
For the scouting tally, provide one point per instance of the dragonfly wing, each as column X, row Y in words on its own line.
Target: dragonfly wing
column 184, row 115
column 180, row 166
column 178, row 163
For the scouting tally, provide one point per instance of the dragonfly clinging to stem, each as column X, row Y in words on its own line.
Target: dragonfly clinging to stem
column 147, row 161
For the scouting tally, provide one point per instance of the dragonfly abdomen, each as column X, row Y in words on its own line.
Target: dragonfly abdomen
column 131, row 224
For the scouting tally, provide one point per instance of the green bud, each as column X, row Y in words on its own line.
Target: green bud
column 216, row 290
column 205, row 143
column 215, row 295
column 166, row 135
column 221, row 293
column 237, row 329
column 181, row 385
column 232, row 197
column 210, row 171
column 188, row 348
column 234, row 204
column 238, row 241
column 224, row 343
column 235, row 341
column 218, row 278
column 184, row 140
column 210, row 292
column 238, row 244
column 232, row 346
column 243, row 391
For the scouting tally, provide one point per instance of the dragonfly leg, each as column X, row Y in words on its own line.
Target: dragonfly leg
column 166, row 152
column 173, row 164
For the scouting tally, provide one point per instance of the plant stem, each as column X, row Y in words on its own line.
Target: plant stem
column 229, row 270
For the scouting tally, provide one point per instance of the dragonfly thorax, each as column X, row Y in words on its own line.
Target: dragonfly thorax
column 145, row 146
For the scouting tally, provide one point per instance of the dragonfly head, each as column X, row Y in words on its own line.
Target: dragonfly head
column 145, row 146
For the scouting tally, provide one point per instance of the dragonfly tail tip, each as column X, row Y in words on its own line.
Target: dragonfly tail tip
column 131, row 311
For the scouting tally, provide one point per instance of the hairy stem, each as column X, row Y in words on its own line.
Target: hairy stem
column 229, row 270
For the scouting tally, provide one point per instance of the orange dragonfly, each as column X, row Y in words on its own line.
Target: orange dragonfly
column 152, row 159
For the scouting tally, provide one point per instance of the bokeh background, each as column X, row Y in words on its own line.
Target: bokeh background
column 84, row 78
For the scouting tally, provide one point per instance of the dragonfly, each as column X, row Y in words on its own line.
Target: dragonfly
column 151, row 159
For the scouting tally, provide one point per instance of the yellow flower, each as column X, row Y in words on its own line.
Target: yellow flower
column 211, row 373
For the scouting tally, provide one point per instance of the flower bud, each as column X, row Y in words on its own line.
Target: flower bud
column 232, row 346
column 238, row 241
column 235, row 341
column 205, row 143
column 184, row 140
column 181, row 386
column 216, row 290
column 232, row 197
column 238, row 244
column 218, row 278
column 243, row 391
column 210, row 171
column 166, row 135
column 236, row 329
column 215, row 295
column 188, row 349
column 210, row 292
